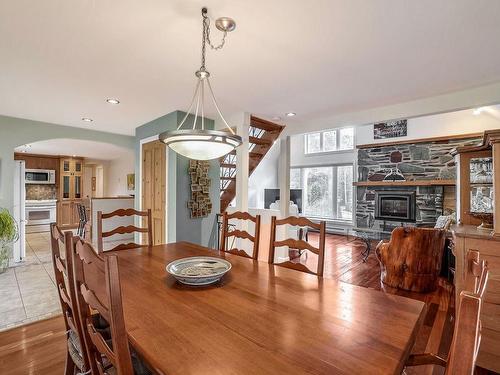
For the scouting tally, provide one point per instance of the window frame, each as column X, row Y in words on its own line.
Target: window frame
column 337, row 141
column 334, row 192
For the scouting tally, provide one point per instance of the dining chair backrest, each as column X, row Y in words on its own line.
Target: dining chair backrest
column 129, row 229
column 299, row 244
column 64, row 279
column 98, row 290
column 465, row 343
column 466, row 336
column 239, row 233
column 476, row 277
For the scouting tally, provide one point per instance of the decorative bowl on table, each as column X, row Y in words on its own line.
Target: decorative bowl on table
column 198, row 270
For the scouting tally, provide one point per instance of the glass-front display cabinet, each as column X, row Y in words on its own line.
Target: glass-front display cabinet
column 71, row 180
column 476, row 182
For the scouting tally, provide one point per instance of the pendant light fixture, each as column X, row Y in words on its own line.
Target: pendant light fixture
column 200, row 143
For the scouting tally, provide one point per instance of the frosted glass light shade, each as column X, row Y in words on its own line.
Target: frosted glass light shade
column 200, row 144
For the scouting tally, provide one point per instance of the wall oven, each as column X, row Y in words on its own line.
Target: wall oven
column 41, row 212
column 40, row 176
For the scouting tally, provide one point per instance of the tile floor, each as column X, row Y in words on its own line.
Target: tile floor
column 27, row 291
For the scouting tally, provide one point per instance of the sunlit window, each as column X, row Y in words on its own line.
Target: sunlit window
column 326, row 191
column 346, row 139
column 329, row 140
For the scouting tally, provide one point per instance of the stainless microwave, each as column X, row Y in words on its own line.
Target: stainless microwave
column 40, row 176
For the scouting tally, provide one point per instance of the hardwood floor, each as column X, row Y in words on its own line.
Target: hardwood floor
column 36, row 348
column 39, row 348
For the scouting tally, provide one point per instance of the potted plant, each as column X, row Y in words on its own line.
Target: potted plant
column 8, row 235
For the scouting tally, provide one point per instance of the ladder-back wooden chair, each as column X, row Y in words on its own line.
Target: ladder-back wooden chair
column 465, row 343
column 98, row 289
column 64, row 278
column 243, row 234
column 476, row 277
column 123, row 229
column 299, row 244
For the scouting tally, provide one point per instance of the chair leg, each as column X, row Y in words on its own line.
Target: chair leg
column 70, row 368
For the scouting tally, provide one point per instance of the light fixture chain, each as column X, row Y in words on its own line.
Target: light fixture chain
column 203, row 40
column 210, row 42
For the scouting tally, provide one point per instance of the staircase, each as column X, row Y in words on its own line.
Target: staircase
column 262, row 134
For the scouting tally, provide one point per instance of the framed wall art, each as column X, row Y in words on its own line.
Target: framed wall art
column 390, row 129
column 200, row 204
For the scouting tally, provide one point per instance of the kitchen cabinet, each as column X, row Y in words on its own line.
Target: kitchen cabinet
column 70, row 192
column 33, row 161
column 478, row 190
column 67, row 213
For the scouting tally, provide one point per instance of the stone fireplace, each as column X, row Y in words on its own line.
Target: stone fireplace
column 424, row 165
column 395, row 205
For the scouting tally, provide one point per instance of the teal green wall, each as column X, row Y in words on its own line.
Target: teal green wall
column 180, row 226
column 16, row 132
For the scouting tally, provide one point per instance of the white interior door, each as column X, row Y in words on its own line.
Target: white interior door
column 99, row 171
column 87, row 181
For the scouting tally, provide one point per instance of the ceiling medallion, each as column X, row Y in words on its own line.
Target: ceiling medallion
column 200, row 143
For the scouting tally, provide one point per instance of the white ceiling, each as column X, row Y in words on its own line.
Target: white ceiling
column 61, row 59
column 77, row 147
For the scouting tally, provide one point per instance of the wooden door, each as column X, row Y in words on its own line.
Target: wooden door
column 154, row 186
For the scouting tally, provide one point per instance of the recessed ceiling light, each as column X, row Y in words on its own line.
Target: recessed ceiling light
column 112, row 101
column 478, row 111
column 87, row 119
column 290, row 114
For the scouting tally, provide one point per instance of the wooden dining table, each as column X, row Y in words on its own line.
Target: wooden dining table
column 260, row 319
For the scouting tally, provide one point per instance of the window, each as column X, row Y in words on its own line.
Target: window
column 314, row 142
column 326, row 191
column 329, row 140
column 346, row 139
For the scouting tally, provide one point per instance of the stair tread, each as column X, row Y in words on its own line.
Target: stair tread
column 264, row 124
column 227, row 165
column 261, row 146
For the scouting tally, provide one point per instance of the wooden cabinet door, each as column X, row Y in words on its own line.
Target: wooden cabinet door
column 75, row 213
column 77, row 186
column 65, row 214
column 65, row 165
column 154, row 187
column 77, row 166
column 66, row 186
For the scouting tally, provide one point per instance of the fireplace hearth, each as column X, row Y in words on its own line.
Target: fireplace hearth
column 395, row 205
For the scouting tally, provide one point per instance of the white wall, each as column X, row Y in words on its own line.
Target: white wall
column 453, row 123
column 458, row 100
column 265, row 176
column 116, row 175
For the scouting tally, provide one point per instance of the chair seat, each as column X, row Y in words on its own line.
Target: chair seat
column 75, row 350
column 74, row 347
column 139, row 367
